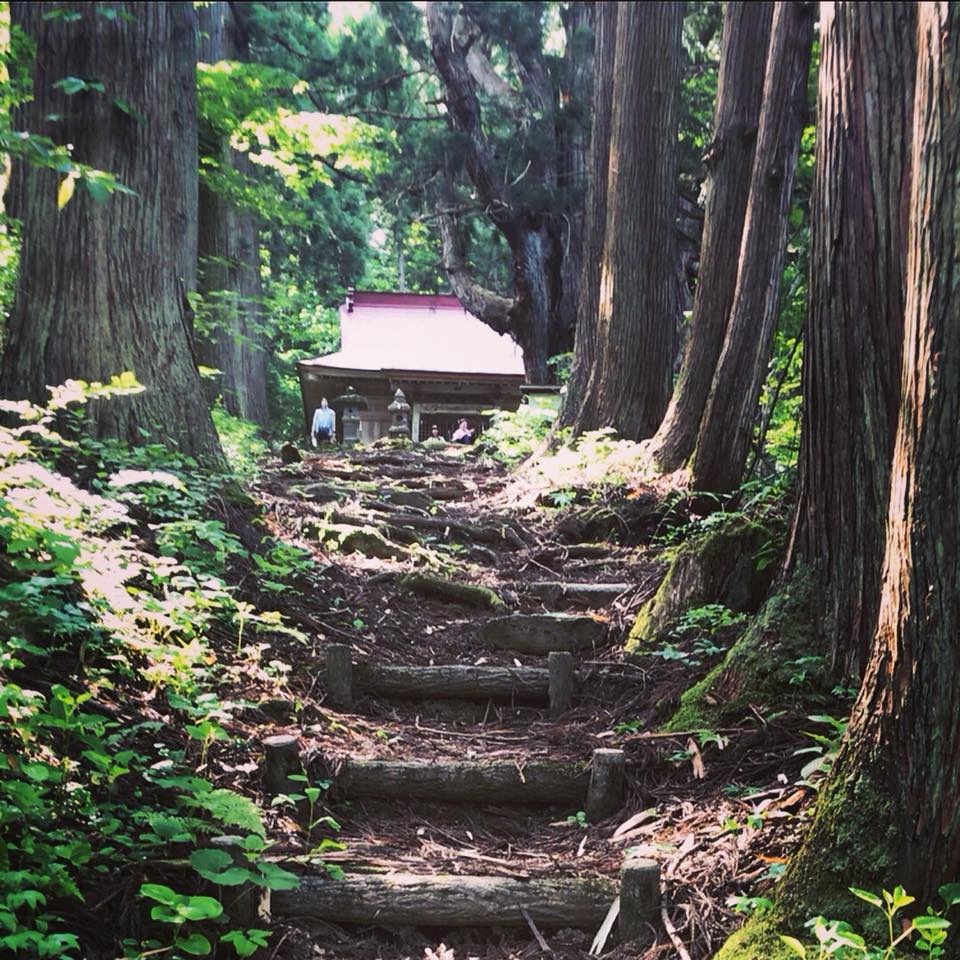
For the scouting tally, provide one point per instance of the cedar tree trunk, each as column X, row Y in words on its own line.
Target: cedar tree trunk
column 899, row 769
column 102, row 286
column 229, row 257
column 532, row 315
column 854, row 336
column 729, row 161
column 637, row 318
column 595, row 216
column 727, row 424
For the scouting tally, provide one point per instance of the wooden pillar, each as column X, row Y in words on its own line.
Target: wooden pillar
column 560, row 665
column 605, row 793
column 281, row 758
column 639, row 896
column 339, row 675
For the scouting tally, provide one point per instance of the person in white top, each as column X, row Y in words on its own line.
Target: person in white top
column 463, row 433
column 324, row 427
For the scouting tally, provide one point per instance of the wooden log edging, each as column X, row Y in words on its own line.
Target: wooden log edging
column 523, row 685
column 475, row 781
column 448, row 901
column 404, row 900
column 542, row 633
column 596, row 787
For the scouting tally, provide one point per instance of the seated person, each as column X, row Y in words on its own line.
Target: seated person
column 324, row 426
column 463, row 433
column 435, row 433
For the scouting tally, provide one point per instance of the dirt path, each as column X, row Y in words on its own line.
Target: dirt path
column 374, row 517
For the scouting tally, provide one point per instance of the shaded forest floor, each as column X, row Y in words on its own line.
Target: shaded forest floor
column 719, row 810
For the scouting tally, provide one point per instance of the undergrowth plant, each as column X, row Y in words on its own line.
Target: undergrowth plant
column 926, row 932
column 106, row 651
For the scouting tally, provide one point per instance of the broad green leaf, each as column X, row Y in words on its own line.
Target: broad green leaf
column 196, row 944
column 158, row 892
column 930, row 923
column 870, row 898
column 199, row 908
column 276, row 878
column 950, row 893
column 210, row 861
column 795, row 945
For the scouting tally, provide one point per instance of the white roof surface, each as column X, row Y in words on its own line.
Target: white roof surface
column 403, row 331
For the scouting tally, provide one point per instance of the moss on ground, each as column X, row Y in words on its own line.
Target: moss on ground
column 758, row 668
column 718, row 566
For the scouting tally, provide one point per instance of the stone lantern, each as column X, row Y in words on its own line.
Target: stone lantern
column 400, row 412
column 350, row 403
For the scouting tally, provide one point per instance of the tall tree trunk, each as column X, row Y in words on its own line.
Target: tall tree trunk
column 729, row 161
column 229, row 257
column 854, row 336
column 594, row 217
column 637, row 318
column 533, row 315
column 573, row 149
column 727, row 424
column 900, row 765
column 102, row 286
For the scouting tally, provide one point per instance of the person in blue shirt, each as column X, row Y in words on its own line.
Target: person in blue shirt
column 324, row 427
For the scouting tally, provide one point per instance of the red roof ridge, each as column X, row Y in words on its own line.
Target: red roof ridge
column 392, row 298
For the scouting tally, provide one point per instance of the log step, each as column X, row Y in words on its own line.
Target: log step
column 450, row 681
column 596, row 787
column 541, row 633
column 444, row 900
column 587, row 594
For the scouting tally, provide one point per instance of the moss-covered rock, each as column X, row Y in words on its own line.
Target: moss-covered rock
column 719, row 566
column 356, row 539
column 453, row 591
column 758, row 668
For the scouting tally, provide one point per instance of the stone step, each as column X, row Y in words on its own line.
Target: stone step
column 587, row 594
column 541, row 633
column 445, row 900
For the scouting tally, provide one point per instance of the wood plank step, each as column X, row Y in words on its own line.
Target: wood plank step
column 540, row 633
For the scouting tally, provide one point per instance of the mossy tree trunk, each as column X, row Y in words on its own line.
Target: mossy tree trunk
column 854, row 334
column 631, row 372
column 727, row 424
column 579, row 393
column 102, row 285
column 729, row 160
column 899, row 769
column 229, row 253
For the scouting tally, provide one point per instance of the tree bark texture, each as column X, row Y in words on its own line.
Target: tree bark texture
column 594, row 218
column 900, row 765
column 854, row 335
column 102, row 286
column 229, row 258
column 573, row 148
column 638, row 309
column 727, row 424
column 403, row 899
column 729, row 162
column 532, row 315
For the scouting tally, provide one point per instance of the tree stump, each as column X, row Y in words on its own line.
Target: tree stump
column 281, row 758
column 639, row 896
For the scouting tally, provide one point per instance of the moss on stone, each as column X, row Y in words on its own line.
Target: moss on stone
column 718, row 566
column 758, row 668
column 757, row 939
column 471, row 594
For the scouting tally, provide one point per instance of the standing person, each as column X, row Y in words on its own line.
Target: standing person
column 435, row 433
column 463, row 433
column 324, row 427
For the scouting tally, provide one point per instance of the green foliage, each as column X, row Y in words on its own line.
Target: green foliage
column 241, row 442
column 514, row 436
column 826, row 749
column 90, row 619
column 837, row 938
